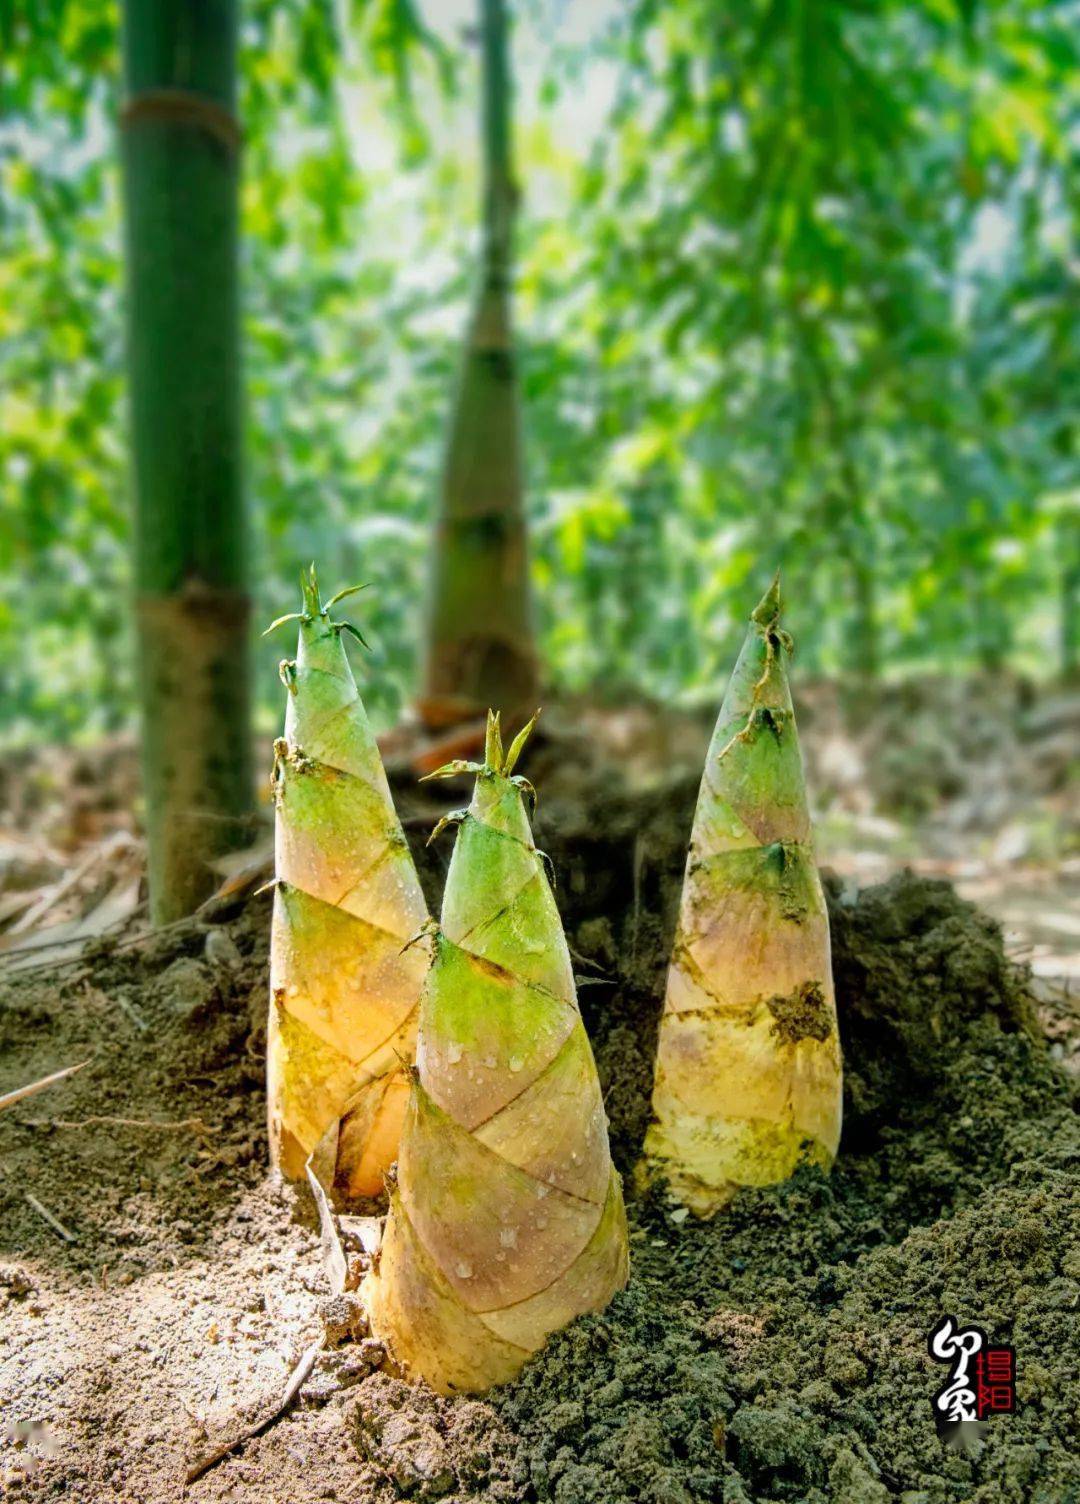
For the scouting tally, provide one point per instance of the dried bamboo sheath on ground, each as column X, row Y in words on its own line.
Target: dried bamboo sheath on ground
column 748, row 1073
column 344, row 992
column 507, row 1218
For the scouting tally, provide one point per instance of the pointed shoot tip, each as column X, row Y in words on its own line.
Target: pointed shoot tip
column 309, row 588
column 493, row 747
column 517, row 746
column 767, row 610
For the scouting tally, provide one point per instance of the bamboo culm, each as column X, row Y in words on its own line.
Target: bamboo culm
column 180, row 153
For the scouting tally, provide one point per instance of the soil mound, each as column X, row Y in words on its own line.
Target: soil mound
column 777, row 1353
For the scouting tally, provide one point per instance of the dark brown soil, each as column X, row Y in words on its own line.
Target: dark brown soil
column 778, row 1353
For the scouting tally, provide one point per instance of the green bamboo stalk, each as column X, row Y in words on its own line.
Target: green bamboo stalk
column 181, row 145
column 480, row 643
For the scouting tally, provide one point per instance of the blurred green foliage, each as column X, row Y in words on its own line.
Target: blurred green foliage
column 797, row 285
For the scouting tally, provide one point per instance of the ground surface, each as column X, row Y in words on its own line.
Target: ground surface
column 778, row 1353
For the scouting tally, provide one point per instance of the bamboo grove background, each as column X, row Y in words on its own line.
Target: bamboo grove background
column 796, row 284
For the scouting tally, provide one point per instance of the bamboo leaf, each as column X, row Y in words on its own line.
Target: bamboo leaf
column 344, row 594
column 517, row 746
column 281, row 620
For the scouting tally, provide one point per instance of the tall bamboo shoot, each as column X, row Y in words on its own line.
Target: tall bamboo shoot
column 748, row 1074
column 507, row 1218
column 344, row 991
column 480, row 641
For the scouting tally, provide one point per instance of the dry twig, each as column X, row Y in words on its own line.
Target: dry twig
column 297, row 1379
column 196, row 1125
column 54, row 1222
column 32, row 1088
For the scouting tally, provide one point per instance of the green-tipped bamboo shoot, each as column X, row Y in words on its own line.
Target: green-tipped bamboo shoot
column 480, row 641
column 344, row 993
column 507, row 1218
column 748, row 1075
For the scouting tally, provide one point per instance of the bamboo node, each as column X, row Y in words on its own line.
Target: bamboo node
column 179, row 107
